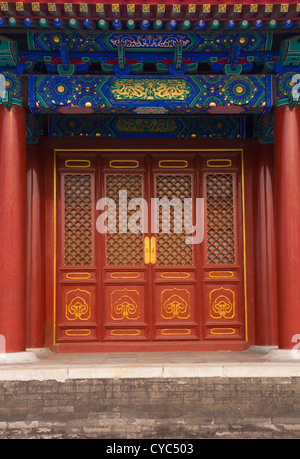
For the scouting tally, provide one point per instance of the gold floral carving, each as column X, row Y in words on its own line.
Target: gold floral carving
column 175, row 303
column 78, row 305
column 222, row 303
column 175, row 332
column 177, row 89
column 125, row 304
column 127, row 332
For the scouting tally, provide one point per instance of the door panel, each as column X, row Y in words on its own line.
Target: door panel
column 126, row 299
column 77, row 314
column 174, row 288
column 222, row 290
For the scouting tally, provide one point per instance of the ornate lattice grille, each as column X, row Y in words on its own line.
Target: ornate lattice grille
column 220, row 219
column 172, row 248
column 123, row 248
column 78, row 219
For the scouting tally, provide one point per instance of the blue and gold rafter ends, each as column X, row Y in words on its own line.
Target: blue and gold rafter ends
column 166, row 10
column 201, row 94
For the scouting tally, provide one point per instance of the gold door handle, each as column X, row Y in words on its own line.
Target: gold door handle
column 147, row 250
column 153, row 250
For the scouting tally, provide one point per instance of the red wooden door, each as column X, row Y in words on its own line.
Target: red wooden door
column 141, row 279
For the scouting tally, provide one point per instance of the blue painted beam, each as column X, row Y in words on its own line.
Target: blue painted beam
column 199, row 94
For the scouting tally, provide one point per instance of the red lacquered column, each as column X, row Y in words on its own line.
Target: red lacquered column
column 13, row 228
column 266, row 314
column 35, row 248
column 287, row 161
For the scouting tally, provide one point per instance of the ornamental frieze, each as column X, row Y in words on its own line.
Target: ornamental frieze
column 203, row 127
column 149, row 40
column 183, row 94
column 94, row 42
column 173, row 89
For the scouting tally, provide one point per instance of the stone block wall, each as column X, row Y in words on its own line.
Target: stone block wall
column 187, row 408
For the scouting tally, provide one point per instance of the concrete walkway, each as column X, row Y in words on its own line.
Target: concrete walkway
column 44, row 365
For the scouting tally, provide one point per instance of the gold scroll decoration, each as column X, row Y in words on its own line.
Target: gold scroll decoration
column 125, row 275
column 175, row 275
column 222, row 331
column 125, row 304
column 78, row 332
column 78, row 163
column 175, row 303
column 175, row 332
column 222, row 303
column 125, row 332
column 220, row 274
column 78, row 276
column 78, row 305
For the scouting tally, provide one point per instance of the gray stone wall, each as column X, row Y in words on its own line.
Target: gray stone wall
column 187, row 408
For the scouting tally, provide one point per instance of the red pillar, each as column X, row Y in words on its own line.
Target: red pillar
column 266, row 313
column 287, row 156
column 35, row 248
column 12, row 228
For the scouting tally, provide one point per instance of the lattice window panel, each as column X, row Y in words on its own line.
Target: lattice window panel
column 78, row 219
column 172, row 248
column 124, row 248
column 220, row 219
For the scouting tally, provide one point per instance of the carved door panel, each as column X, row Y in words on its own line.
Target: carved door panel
column 77, row 314
column 126, row 311
column 223, row 269
column 175, row 314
